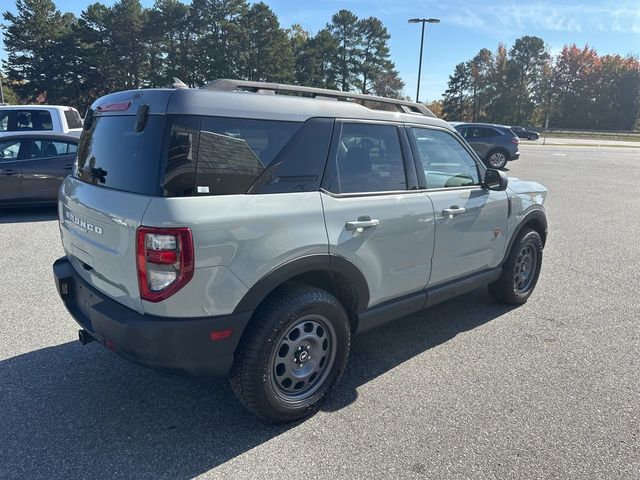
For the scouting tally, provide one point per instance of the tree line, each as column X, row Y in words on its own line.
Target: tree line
column 525, row 85
column 58, row 57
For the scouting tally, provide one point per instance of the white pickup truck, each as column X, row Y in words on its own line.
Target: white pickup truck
column 34, row 118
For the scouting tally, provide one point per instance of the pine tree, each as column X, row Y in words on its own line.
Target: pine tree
column 528, row 57
column 269, row 56
column 374, row 53
column 344, row 27
column 388, row 83
column 32, row 39
column 456, row 104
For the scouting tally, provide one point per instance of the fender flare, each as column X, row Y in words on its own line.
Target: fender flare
column 536, row 213
column 333, row 264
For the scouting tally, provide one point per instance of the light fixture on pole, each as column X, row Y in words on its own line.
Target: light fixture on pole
column 423, row 21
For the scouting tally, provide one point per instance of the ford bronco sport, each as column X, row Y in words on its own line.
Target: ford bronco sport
column 251, row 229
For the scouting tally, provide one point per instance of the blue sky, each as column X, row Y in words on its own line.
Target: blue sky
column 466, row 27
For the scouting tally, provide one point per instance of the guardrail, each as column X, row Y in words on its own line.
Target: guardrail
column 591, row 133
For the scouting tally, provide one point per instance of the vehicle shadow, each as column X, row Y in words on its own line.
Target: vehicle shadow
column 28, row 214
column 82, row 412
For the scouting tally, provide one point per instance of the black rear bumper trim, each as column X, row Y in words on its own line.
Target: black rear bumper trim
column 181, row 345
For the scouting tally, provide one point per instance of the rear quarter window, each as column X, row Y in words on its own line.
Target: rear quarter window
column 234, row 152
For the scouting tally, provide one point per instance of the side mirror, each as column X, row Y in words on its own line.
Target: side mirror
column 495, row 180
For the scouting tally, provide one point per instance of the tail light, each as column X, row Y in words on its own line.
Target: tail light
column 515, row 140
column 165, row 261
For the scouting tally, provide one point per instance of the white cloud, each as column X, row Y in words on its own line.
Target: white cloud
column 545, row 15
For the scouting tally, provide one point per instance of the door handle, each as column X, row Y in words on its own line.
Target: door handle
column 68, row 167
column 361, row 224
column 452, row 211
column 9, row 171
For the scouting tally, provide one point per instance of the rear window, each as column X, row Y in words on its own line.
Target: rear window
column 112, row 154
column 73, row 119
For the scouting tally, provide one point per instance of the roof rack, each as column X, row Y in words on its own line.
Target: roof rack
column 229, row 85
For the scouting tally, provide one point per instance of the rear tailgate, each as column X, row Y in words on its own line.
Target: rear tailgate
column 103, row 201
column 98, row 229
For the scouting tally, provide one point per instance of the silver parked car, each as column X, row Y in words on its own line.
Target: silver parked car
column 225, row 231
column 33, row 165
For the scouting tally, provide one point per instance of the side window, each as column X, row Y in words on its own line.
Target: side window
column 369, row 159
column 9, row 150
column 182, row 153
column 72, row 148
column 300, row 164
column 445, row 161
column 4, row 121
column 233, row 152
column 33, row 120
column 44, row 148
column 485, row 132
column 462, row 131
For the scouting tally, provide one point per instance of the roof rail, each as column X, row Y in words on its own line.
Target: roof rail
column 230, row 85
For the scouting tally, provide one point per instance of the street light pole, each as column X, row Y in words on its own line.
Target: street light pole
column 420, row 64
column 423, row 21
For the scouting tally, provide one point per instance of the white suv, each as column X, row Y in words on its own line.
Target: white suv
column 39, row 118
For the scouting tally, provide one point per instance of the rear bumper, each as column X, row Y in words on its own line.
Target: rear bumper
column 515, row 156
column 182, row 345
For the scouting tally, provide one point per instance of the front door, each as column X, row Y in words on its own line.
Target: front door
column 372, row 219
column 10, row 191
column 470, row 221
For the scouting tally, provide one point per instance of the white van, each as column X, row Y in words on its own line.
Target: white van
column 34, row 118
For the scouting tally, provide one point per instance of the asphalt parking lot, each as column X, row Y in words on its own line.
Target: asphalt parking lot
column 468, row 389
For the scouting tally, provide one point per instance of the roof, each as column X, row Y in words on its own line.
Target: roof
column 256, row 105
column 479, row 124
column 35, row 107
column 66, row 137
column 281, row 107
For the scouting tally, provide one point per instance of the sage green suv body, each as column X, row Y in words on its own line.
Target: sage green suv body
column 225, row 230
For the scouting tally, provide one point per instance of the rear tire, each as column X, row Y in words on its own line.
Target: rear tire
column 521, row 270
column 292, row 354
column 497, row 159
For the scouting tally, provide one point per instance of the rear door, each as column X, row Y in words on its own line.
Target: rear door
column 372, row 216
column 10, row 191
column 482, row 139
column 470, row 221
column 45, row 163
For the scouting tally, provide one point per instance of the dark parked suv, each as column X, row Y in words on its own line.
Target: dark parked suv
column 524, row 133
column 495, row 144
